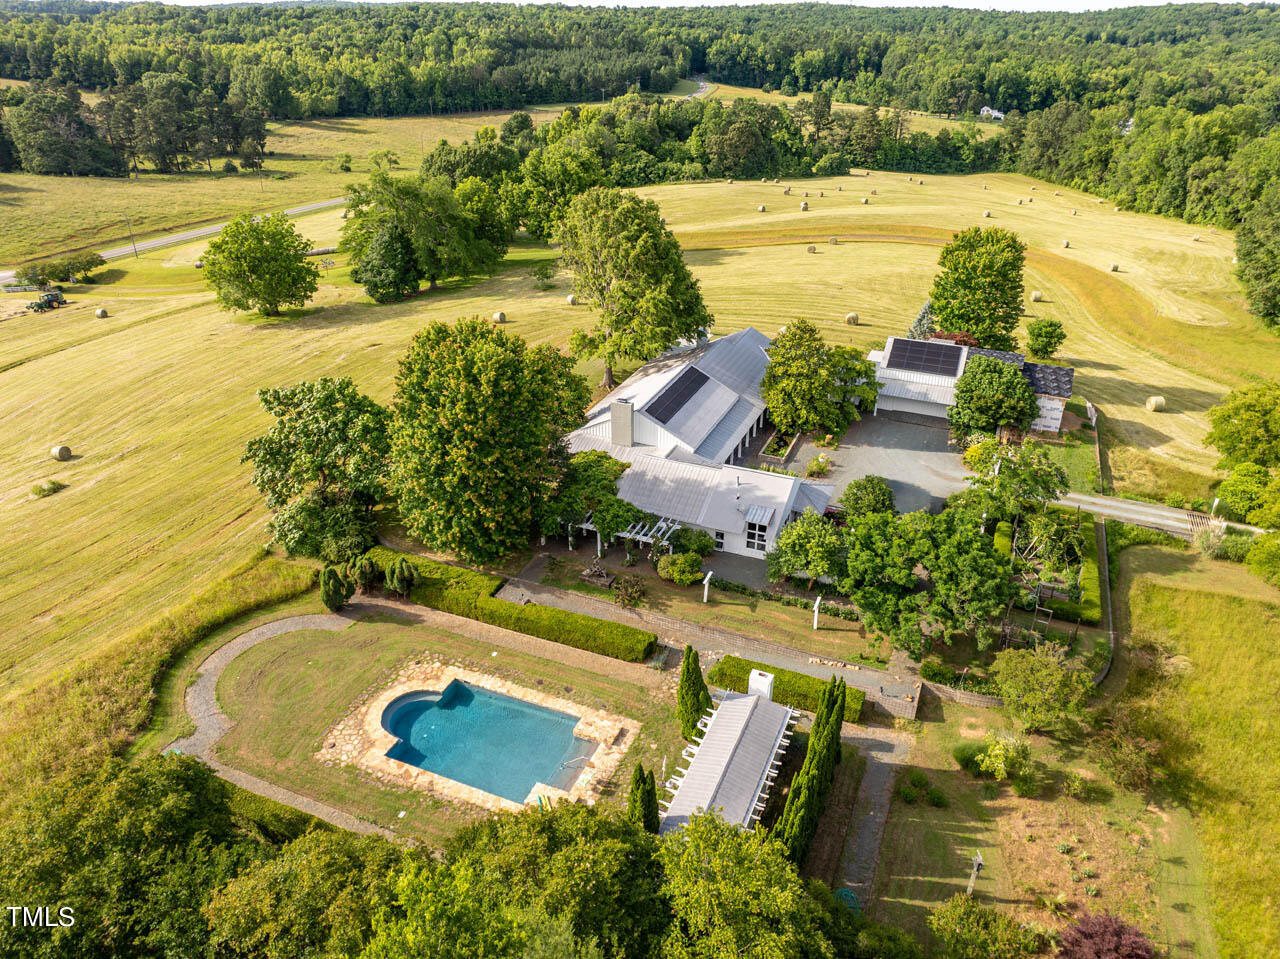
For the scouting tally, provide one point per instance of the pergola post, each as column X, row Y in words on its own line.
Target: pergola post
column 599, row 546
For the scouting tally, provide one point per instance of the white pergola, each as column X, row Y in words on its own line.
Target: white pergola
column 650, row 532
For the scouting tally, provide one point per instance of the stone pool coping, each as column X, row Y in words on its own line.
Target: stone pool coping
column 359, row 739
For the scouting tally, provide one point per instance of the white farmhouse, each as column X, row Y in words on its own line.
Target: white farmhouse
column 683, row 422
column 919, row 376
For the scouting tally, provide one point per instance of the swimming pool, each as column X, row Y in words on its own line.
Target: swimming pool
column 485, row 739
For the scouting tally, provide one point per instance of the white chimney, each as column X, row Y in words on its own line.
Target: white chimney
column 760, row 683
column 620, row 423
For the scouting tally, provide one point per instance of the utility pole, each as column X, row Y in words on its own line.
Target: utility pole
column 131, row 239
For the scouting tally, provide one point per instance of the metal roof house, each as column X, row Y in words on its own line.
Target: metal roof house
column 733, row 766
column 682, row 422
column 919, row 376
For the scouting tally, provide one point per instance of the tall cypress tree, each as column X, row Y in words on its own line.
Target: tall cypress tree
column 636, row 795
column 692, row 697
column 652, row 818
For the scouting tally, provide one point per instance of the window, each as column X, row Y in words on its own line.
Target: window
column 719, row 539
column 755, row 536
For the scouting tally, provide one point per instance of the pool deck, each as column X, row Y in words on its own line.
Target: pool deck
column 360, row 739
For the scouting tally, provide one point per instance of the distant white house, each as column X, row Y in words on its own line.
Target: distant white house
column 683, row 422
column 987, row 113
column 919, row 376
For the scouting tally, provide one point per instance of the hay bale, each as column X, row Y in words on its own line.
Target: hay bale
column 786, row 191
column 760, row 208
column 1036, row 296
column 873, row 193
column 61, row 453
column 1235, row 259
column 839, row 189
column 731, row 182
column 911, row 179
column 764, row 179
column 834, row 241
column 803, row 206
column 806, row 193
column 851, row 319
column 1031, row 199
column 1115, row 267
column 1019, row 203
column 199, row 264
column 1155, row 404
column 986, row 213
column 811, row 248
column 921, row 182
column 1057, row 193
column 571, row 300
column 985, row 187
column 776, row 180
column 1066, row 244
column 1073, row 212
column 1115, row 209
column 820, row 193
column 865, row 201
column 1196, row 238
column 100, row 313
column 1033, row 189
column 499, row 317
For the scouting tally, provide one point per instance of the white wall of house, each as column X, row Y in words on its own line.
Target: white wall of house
column 1049, row 419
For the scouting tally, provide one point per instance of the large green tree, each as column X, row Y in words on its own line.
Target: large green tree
column 979, row 288
column 880, row 573
column 734, row 893
column 1246, row 426
column 590, row 866
column 475, row 436
column 1258, row 255
column 628, row 266
column 260, row 263
column 389, row 216
column 1009, row 479
column 1039, row 689
column 991, row 394
column 812, row 387
column 969, row 580
column 812, row 545
column 321, row 466
column 317, row 898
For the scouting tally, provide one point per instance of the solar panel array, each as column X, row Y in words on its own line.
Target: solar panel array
column 925, row 356
column 670, row 401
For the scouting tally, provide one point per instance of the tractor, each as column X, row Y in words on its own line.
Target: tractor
column 48, row 301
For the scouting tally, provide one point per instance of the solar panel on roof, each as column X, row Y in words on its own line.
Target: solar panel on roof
column 670, row 401
column 925, row 356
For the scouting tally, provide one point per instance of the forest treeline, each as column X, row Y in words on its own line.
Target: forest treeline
column 1169, row 110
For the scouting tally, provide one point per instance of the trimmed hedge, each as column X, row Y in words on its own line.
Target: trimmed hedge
column 789, row 688
column 1089, row 609
column 465, row 592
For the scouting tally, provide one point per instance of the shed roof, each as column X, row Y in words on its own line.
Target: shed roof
column 730, row 770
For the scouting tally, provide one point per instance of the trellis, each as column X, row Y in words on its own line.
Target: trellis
column 651, row 531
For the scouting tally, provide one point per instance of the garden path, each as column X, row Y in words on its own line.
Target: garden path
column 885, row 749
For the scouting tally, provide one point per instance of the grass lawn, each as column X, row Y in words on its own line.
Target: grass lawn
column 926, row 852
column 285, row 694
column 1214, row 632
column 1075, row 454
column 158, row 399
column 760, row 618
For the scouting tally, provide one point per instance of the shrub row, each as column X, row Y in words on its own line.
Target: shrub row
column 789, row 688
column 465, row 592
column 1089, row 609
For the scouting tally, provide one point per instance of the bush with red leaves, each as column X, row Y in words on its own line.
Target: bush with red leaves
column 1102, row 936
column 959, row 339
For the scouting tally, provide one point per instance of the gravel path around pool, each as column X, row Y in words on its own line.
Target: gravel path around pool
column 212, row 723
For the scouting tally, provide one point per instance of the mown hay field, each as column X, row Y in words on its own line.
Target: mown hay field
column 158, row 400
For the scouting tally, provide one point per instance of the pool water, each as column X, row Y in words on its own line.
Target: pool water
column 487, row 740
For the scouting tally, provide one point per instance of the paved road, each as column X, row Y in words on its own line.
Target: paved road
column 184, row 236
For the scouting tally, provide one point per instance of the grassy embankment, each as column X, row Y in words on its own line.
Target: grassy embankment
column 158, row 399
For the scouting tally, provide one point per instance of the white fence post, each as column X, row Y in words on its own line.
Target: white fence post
column 816, row 603
column 706, row 585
